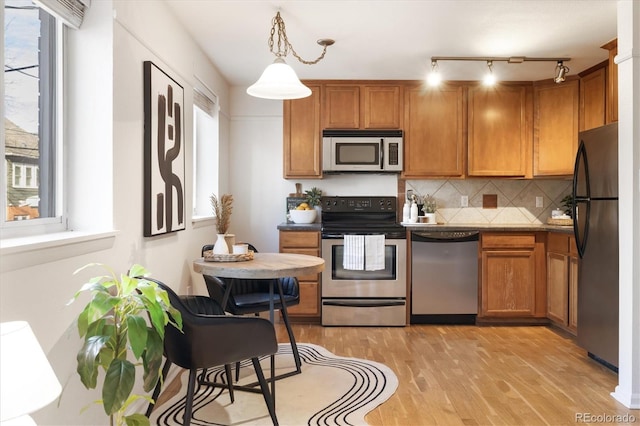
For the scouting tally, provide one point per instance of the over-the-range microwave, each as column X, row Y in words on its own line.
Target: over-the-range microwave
column 377, row 151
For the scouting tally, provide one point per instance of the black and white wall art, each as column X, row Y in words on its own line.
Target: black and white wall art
column 164, row 159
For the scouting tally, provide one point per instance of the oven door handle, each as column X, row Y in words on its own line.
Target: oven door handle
column 364, row 303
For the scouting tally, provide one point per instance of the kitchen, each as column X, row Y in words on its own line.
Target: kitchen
column 256, row 129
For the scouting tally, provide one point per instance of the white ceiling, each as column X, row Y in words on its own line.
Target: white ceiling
column 395, row 39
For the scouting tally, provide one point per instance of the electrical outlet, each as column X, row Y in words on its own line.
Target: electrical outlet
column 539, row 202
column 464, row 201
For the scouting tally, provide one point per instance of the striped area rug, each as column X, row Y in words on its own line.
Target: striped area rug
column 331, row 390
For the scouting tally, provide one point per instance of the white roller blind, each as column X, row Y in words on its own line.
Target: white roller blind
column 203, row 102
column 70, row 11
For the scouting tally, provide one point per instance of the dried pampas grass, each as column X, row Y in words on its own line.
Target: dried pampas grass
column 222, row 210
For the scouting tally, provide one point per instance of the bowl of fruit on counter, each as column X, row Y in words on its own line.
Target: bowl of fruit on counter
column 303, row 213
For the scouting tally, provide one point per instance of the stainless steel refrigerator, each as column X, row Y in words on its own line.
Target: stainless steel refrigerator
column 595, row 213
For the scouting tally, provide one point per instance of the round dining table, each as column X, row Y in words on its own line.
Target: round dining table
column 263, row 266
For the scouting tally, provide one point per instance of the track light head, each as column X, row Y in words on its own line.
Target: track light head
column 489, row 78
column 434, row 77
column 561, row 72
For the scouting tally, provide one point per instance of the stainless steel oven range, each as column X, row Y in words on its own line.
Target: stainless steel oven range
column 363, row 295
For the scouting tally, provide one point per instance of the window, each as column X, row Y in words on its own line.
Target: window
column 205, row 153
column 32, row 50
column 25, row 176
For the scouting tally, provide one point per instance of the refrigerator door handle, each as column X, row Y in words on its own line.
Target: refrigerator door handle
column 581, row 165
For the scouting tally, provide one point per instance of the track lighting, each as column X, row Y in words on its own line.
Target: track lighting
column 434, row 76
column 489, row 78
column 561, row 72
column 279, row 80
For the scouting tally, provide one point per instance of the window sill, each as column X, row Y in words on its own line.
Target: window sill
column 202, row 221
column 18, row 253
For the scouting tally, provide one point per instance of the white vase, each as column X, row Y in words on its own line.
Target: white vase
column 221, row 247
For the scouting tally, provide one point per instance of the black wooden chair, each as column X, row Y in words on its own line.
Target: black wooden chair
column 209, row 338
column 253, row 296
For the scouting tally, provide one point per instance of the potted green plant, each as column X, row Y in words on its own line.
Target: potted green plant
column 429, row 208
column 313, row 197
column 567, row 203
column 118, row 339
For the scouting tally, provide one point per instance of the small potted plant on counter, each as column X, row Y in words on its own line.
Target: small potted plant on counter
column 313, row 197
column 429, row 208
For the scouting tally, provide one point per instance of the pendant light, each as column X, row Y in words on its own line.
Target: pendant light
column 279, row 80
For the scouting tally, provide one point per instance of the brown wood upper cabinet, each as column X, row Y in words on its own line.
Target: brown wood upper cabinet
column 434, row 133
column 612, row 82
column 302, row 141
column 361, row 106
column 555, row 127
column 593, row 89
column 499, row 141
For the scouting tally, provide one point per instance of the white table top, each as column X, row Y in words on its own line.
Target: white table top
column 263, row 265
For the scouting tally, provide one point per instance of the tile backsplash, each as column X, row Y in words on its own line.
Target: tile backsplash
column 516, row 199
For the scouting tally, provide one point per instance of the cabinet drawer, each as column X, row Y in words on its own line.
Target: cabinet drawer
column 309, row 239
column 558, row 243
column 508, row 240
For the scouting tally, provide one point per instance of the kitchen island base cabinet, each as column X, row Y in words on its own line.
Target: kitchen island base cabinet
column 512, row 288
column 304, row 242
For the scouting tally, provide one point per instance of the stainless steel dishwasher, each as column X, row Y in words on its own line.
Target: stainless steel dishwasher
column 444, row 277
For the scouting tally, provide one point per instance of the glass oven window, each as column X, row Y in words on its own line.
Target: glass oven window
column 358, row 153
column 389, row 273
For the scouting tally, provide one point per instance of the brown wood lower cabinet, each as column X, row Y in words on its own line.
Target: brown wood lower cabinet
column 304, row 242
column 512, row 283
column 562, row 281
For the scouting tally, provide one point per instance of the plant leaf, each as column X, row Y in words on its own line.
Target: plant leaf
column 137, row 327
column 138, row 271
column 100, row 305
column 152, row 360
column 137, row 420
column 157, row 315
column 87, row 365
column 118, row 384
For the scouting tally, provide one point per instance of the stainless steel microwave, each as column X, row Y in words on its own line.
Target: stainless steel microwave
column 378, row 151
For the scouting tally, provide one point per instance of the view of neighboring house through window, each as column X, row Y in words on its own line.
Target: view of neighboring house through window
column 30, row 186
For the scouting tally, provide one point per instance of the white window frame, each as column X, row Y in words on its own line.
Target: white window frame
column 57, row 222
column 205, row 154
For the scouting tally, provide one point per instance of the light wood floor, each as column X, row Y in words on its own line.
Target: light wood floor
column 467, row 375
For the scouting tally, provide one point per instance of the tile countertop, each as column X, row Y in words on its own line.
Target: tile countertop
column 505, row 227
column 497, row 227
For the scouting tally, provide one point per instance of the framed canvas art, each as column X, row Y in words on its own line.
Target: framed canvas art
column 164, row 159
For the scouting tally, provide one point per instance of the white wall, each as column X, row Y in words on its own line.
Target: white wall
column 105, row 147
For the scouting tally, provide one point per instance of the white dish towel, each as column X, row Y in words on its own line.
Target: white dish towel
column 374, row 252
column 353, row 256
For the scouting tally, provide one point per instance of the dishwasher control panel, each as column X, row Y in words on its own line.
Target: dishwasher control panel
column 445, row 235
